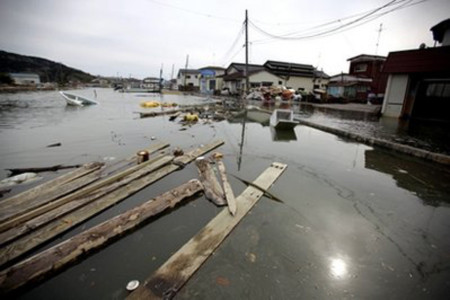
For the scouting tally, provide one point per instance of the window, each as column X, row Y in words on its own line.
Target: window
column 280, row 82
column 188, row 76
column 438, row 89
column 360, row 68
column 267, row 83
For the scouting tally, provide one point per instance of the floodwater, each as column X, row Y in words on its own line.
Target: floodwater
column 421, row 134
column 357, row 222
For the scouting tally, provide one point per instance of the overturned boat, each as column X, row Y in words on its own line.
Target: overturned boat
column 283, row 119
column 77, row 100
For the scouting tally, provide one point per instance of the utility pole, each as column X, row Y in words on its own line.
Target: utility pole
column 246, row 53
column 187, row 63
column 160, row 77
column 378, row 39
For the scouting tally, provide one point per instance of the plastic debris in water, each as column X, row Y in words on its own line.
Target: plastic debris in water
column 132, row 285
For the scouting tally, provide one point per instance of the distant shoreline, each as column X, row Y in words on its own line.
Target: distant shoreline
column 17, row 89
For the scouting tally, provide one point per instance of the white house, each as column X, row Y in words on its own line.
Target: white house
column 188, row 80
column 258, row 76
column 293, row 75
column 25, row 78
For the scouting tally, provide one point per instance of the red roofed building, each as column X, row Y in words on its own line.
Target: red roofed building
column 419, row 81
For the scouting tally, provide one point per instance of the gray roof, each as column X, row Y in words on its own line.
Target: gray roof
column 289, row 69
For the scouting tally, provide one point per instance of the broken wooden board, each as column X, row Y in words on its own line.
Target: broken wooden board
column 213, row 190
column 61, row 224
column 59, row 256
column 40, row 169
column 61, row 186
column 177, row 270
column 228, row 191
column 33, row 239
column 82, row 199
column 26, row 214
column 30, row 194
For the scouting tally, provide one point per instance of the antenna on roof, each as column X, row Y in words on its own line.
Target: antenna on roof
column 378, row 39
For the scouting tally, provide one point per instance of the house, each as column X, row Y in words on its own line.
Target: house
column 274, row 73
column 364, row 80
column 234, row 77
column 99, row 82
column 151, row 83
column 320, row 80
column 370, row 66
column 209, row 80
column 188, row 80
column 348, row 87
column 418, row 84
column 25, row 78
column 292, row 75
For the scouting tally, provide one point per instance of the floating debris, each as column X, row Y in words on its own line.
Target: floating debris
column 132, row 285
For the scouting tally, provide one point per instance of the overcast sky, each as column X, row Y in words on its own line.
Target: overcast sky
column 136, row 37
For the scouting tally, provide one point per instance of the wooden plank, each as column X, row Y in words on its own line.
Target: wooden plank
column 29, row 200
column 190, row 156
column 23, row 228
column 14, row 211
column 229, row 195
column 29, row 214
column 213, row 190
column 55, row 168
column 62, row 224
column 59, row 256
column 49, row 185
column 177, row 270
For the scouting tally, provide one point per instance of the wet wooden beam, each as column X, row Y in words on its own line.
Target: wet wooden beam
column 213, row 190
column 30, row 194
column 136, row 181
column 63, row 185
column 54, row 228
column 61, row 255
column 77, row 202
column 25, row 214
column 228, row 191
column 55, row 168
column 177, row 270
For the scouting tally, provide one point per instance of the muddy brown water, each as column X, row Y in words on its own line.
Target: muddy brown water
column 357, row 222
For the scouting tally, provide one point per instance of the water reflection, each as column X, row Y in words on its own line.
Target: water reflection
column 338, row 268
column 427, row 183
column 284, row 135
column 241, row 145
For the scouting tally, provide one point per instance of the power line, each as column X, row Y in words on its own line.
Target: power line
column 233, row 45
column 366, row 17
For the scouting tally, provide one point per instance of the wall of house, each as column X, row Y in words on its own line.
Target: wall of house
column 305, row 83
column 194, row 80
column 321, row 83
column 263, row 76
column 396, row 89
column 371, row 69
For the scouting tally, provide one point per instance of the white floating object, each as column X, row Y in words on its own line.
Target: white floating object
column 132, row 285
